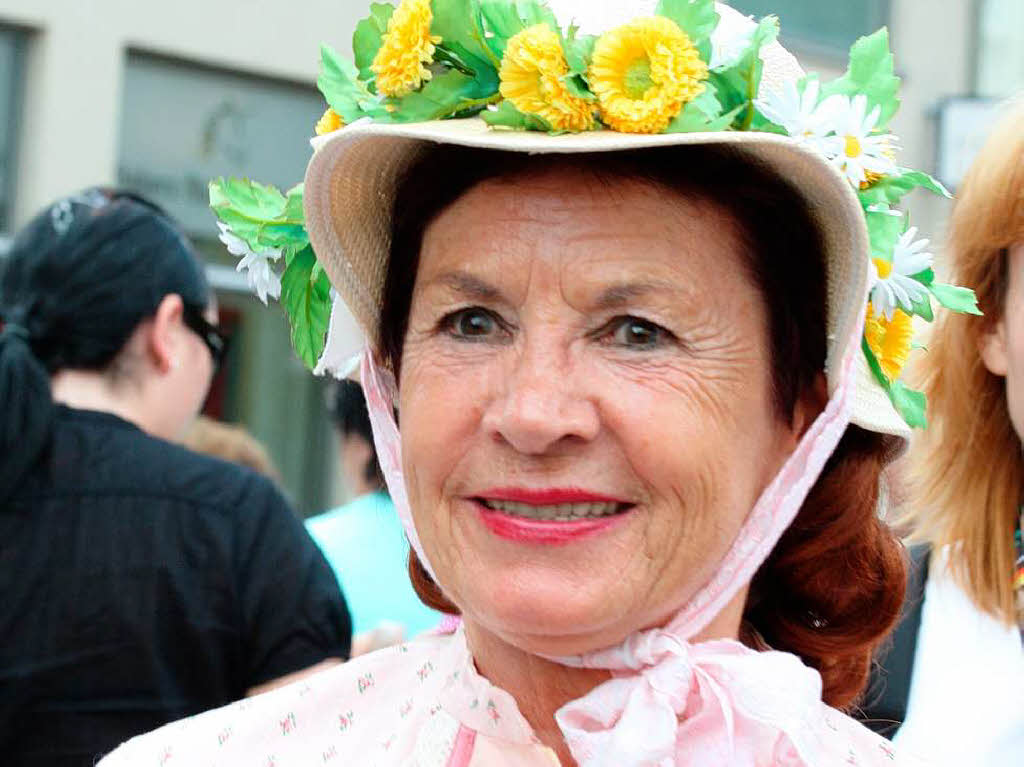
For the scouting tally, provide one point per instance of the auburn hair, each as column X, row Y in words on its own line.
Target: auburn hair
column 966, row 469
column 834, row 584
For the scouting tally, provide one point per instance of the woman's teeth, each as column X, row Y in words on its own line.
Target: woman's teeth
column 562, row 512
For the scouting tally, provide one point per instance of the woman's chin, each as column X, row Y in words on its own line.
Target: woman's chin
column 545, row 614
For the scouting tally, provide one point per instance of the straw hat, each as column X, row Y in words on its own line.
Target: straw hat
column 830, row 148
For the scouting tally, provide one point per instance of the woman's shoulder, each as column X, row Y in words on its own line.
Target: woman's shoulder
column 371, row 706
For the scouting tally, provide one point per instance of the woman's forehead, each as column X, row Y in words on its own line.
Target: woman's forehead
column 577, row 226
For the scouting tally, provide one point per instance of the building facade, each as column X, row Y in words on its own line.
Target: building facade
column 162, row 97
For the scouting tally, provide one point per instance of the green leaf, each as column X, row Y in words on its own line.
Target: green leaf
column 738, row 85
column 697, row 18
column 366, row 40
column 955, row 298
column 910, row 404
column 460, row 26
column 507, row 116
column 889, row 190
column 703, row 114
column 923, row 309
column 344, row 92
column 251, row 198
column 870, row 72
column 504, row 19
column 454, row 60
column 577, row 86
column 307, row 301
column 260, row 214
column 883, row 230
column 578, row 51
column 926, row 278
column 445, row 95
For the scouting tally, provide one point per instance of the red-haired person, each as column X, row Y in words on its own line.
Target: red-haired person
column 966, row 672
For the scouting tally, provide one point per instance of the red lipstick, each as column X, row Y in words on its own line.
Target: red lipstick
column 541, row 531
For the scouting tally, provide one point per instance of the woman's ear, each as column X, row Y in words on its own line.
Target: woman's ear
column 992, row 347
column 809, row 405
column 163, row 343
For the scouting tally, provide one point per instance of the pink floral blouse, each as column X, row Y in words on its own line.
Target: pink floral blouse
column 421, row 704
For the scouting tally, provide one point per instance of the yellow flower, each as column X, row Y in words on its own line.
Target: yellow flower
column 531, row 78
column 890, row 341
column 405, row 48
column 330, row 122
column 643, row 73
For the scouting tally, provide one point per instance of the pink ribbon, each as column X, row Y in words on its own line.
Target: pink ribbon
column 709, row 703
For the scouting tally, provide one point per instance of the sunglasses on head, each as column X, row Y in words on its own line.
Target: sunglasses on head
column 216, row 340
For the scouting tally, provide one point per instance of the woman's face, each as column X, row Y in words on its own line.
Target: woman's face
column 1003, row 349
column 190, row 378
column 585, row 403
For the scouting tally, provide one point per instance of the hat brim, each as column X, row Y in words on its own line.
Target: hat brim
column 352, row 178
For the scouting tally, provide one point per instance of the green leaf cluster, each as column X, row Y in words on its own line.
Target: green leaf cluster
column 737, row 86
column 871, row 73
column 260, row 214
column 265, row 218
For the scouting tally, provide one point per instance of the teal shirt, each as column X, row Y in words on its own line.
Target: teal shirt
column 367, row 549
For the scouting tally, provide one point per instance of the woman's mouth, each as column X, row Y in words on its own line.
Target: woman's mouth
column 561, row 512
column 551, row 516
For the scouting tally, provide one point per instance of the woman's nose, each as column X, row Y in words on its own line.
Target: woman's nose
column 541, row 405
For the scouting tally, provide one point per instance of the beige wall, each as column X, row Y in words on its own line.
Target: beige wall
column 76, row 59
column 75, row 64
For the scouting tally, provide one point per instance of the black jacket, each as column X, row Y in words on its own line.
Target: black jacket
column 140, row 583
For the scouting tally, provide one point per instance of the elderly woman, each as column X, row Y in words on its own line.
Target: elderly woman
column 641, row 430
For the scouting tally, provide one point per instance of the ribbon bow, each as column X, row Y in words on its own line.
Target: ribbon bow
column 717, row 701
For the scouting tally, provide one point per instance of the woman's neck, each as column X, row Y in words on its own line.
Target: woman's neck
column 91, row 390
column 540, row 687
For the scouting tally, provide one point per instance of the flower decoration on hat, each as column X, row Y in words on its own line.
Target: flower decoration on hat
column 531, row 74
column 517, row 67
column 405, row 49
column 643, row 72
column 895, row 286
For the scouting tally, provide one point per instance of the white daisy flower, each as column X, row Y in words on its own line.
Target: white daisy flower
column 854, row 149
column 263, row 280
column 894, row 287
column 800, row 113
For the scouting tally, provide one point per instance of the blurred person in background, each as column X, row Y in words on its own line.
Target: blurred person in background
column 230, row 443
column 141, row 582
column 364, row 540
column 957, row 658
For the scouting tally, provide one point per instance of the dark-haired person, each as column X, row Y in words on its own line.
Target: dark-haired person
column 141, row 582
column 364, row 541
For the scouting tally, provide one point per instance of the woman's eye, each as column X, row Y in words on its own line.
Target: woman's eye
column 636, row 333
column 473, row 322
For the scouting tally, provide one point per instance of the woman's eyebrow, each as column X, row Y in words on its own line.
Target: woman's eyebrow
column 618, row 296
column 465, row 284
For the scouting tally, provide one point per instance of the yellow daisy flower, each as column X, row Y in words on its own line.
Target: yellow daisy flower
column 405, row 48
column 890, row 340
column 330, row 122
column 531, row 78
column 643, row 73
